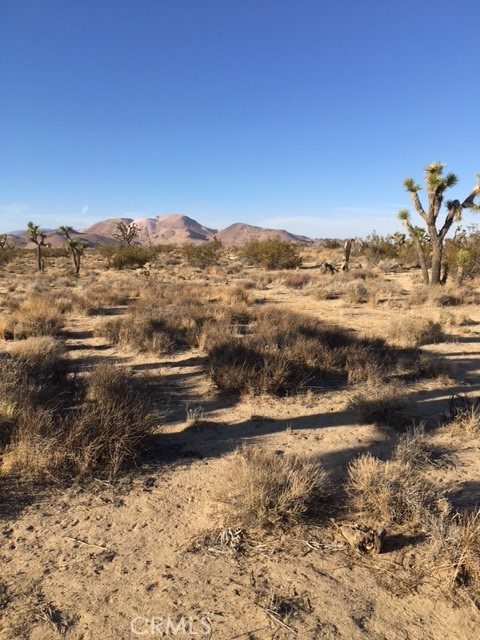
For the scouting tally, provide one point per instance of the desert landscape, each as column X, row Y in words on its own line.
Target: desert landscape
column 198, row 440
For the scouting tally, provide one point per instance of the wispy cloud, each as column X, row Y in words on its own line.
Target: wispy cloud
column 84, row 210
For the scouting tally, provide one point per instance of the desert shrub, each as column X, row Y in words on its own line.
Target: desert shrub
column 107, row 433
column 271, row 254
column 331, row 244
column 7, row 255
column 412, row 447
column 454, row 551
column 38, row 315
column 126, row 256
column 32, row 373
column 104, row 430
column 380, row 405
column 296, row 281
column 356, row 293
column 264, row 489
column 140, row 333
column 242, row 367
column 428, row 365
column 203, row 255
column 464, row 415
column 414, row 331
column 392, row 493
column 367, row 363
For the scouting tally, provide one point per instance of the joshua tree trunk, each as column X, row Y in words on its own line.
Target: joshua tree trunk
column 347, row 249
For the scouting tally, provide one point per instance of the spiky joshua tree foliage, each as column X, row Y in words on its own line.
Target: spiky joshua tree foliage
column 76, row 248
column 126, row 233
column 38, row 238
column 437, row 184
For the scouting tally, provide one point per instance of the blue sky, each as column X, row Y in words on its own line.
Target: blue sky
column 301, row 114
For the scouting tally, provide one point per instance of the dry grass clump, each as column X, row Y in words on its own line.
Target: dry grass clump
column 265, row 489
column 38, row 315
column 356, row 293
column 143, row 333
column 365, row 363
column 296, row 280
column 383, row 405
column 98, row 432
column 429, row 365
column 412, row 331
column 244, row 367
column 464, row 415
column 412, row 447
column 32, row 372
column 392, row 493
column 454, row 551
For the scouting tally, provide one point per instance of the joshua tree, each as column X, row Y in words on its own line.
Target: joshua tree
column 437, row 184
column 126, row 233
column 75, row 247
column 38, row 238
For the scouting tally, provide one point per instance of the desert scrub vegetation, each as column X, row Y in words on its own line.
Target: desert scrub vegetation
column 205, row 255
column 454, row 553
column 265, row 489
column 170, row 317
column 392, row 493
column 384, row 405
column 32, row 374
column 464, row 415
column 70, row 428
column 271, row 254
column 282, row 352
column 38, row 315
column 414, row 331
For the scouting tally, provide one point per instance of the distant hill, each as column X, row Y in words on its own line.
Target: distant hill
column 167, row 229
column 240, row 233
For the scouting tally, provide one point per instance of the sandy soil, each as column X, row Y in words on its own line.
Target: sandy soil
column 104, row 561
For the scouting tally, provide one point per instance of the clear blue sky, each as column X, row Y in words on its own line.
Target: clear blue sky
column 303, row 114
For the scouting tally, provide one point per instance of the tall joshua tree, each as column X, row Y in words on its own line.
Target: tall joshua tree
column 38, row 238
column 437, row 184
column 126, row 233
column 76, row 248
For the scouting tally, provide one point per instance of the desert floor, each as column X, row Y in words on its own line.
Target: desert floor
column 100, row 560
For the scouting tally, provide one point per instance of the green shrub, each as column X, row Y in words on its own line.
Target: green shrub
column 126, row 257
column 203, row 255
column 271, row 254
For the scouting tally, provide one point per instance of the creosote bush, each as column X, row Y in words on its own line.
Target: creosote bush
column 265, row 489
column 271, row 254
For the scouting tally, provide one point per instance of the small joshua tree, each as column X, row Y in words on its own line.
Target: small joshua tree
column 126, row 233
column 437, row 184
column 76, row 248
column 38, row 238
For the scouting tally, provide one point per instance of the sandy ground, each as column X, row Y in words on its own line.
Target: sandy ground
column 108, row 562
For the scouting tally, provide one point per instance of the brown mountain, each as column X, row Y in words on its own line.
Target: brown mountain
column 240, row 233
column 168, row 229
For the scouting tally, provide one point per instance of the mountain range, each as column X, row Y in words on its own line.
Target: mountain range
column 167, row 229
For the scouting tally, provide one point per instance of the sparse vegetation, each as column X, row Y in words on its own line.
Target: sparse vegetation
column 392, row 493
column 268, row 489
column 271, row 254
